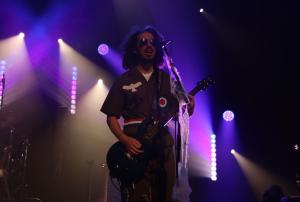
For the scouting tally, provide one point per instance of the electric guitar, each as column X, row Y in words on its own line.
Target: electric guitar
column 129, row 168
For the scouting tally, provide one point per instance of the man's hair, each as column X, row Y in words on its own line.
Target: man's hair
column 131, row 58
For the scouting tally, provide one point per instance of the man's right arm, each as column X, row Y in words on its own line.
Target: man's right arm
column 132, row 145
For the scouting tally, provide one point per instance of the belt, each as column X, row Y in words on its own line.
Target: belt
column 133, row 121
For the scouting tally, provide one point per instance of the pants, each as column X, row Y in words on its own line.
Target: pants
column 157, row 184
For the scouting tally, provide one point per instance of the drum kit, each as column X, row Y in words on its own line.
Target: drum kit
column 14, row 148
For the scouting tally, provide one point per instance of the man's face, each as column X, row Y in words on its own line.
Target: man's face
column 145, row 46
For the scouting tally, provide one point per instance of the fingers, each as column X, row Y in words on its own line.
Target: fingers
column 191, row 98
column 191, row 105
column 134, row 150
column 133, row 146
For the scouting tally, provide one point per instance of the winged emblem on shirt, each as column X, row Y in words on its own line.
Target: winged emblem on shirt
column 132, row 86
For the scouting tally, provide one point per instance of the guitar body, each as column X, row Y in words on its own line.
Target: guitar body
column 131, row 168
column 124, row 167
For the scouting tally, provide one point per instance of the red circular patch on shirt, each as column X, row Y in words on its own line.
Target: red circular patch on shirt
column 162, row 102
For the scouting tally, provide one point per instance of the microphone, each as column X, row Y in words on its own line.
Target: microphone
column 165, row 43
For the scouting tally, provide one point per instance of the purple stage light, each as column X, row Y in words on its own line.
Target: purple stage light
column 73, row 91
column 103, row 49
column 228, row 115
column 213, row 158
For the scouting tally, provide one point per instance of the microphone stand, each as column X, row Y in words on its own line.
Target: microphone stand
column 183, row 188
column 183, row 93
column 2, row 91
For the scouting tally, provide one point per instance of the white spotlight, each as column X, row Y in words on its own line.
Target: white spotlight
column 201, row 10
column 100, row 82
column 59, row 40
column 21, row 35
column 232, row 151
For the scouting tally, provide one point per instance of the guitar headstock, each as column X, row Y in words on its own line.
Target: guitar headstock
column 202, row 85
column 205, row 83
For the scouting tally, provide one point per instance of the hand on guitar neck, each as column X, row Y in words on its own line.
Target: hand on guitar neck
column 191, row 105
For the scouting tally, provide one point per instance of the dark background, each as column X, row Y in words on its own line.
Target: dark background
column 250, row 47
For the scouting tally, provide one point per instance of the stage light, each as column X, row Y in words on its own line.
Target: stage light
column 232, row 151
column 201, row 10
column 21, row 35
column 228, row 115
column 100, row 82
column 103, row 49
column 59, row 40
column 73, row 90
column 296, row 147
column 213, row 157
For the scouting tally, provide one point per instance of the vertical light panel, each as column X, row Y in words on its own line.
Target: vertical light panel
column 213, row 157
column 73, row 91
column 2, row 81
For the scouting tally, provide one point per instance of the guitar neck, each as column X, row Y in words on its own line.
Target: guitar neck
column 195, row 90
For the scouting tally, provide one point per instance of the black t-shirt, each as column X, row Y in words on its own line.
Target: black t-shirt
column 132, row 96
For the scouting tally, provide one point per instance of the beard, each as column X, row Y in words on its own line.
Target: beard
column 145, row 61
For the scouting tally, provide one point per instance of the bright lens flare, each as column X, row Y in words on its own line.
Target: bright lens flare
column 100, row 82
column 21, row 35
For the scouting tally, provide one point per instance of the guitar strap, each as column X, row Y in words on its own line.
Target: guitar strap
column 156, row 108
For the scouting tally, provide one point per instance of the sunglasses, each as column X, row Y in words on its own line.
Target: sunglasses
column 145, row 41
